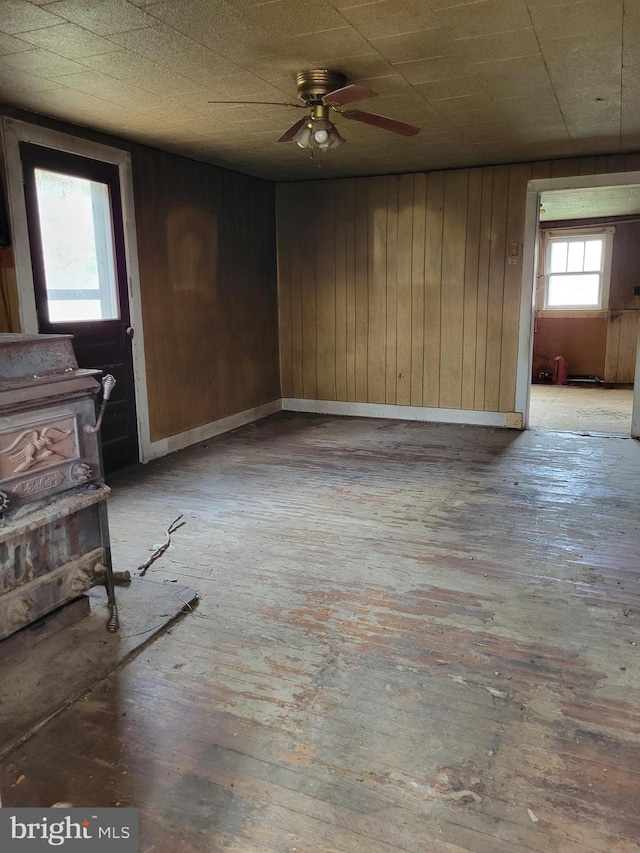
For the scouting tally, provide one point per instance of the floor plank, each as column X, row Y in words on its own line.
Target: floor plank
column 408, row 635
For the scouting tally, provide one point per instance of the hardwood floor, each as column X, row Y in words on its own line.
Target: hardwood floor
column 410, row 637
column 580, row 409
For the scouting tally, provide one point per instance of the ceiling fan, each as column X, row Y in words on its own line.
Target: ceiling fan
column 321, row 91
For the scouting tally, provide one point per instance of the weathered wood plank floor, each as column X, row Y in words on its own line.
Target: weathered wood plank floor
column 409, row 635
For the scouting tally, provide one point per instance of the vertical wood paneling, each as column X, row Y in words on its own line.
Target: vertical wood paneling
column 362, row 249
column 377, row 328
column 285, row 296
column 472, row 256
column 518, row 177
column 565, row 168
column 309, row 311
column 150, row 197
column 208, row 290
column 627, row 344
column 496, row 288
column 432, row 309
column 405, row 236
column 541, row 170
column 587, row 166
column 613, row 342
column 350, row 241
column 340, row 242
column 624, row 307
column 296, row 197
column 391, row 378
column 452, row 288
column 616, row 163
column 417, row 286
column 400, row 289
column 325, row 294
column 632, row 163
column 9, row 310
column 483, row 287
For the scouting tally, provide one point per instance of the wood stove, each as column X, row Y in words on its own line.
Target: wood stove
column 54, row 535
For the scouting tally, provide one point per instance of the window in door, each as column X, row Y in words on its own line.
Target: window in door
column 77, row 247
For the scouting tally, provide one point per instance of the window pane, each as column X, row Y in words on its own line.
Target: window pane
column 574, row 291
column 77, row 247
column 558, row 256
column 575, row 260
column 593, row 254
column 68, row 310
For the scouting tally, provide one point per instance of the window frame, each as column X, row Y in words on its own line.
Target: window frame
column 548, row 236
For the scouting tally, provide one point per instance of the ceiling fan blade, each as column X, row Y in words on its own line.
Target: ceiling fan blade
column 259, row 103
column 383, row 122
column 288, row 135
column 347, row 95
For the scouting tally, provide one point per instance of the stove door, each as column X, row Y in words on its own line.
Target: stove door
column 76, row 236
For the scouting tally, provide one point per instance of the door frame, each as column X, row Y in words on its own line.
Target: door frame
column 14, row 132
column 529, row 270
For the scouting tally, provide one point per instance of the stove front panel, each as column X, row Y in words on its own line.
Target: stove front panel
column 28, row 554
column 46, row 451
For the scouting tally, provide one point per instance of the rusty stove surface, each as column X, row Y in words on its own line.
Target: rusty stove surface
column 54, row 537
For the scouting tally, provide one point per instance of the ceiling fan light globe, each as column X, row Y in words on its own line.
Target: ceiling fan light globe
column 336, row 139
column 322, row 128
column 303, row 136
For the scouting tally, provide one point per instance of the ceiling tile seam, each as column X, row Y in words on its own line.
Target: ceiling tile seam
column 217, row 56
column 500, row 33
column 547, row 70
column 64, row 22
column 136, row 83
column 432, row 103
column 202, row 44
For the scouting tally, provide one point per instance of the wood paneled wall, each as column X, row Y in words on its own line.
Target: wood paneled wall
column 624, row 307
column 206, row 245
column 581, row 340
column 9, row 311
column 398, row 289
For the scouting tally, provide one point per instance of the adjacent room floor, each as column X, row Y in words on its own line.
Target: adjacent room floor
column 581, row 408
column 410, row 637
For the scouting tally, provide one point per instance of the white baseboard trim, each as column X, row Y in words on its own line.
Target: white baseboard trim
column 326, row 407
column 403, row 413
column 202, row 433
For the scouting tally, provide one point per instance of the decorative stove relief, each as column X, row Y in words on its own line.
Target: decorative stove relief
column 37, row 447
column 81, row 472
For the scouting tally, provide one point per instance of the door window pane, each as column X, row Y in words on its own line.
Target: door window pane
column 77, row 247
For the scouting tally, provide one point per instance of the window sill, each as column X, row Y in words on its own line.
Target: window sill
column 571, row 313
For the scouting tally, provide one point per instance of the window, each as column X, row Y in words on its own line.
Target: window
column 77, row 247
column 576, row 269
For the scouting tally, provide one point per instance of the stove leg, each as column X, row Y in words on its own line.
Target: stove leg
column 113, row 622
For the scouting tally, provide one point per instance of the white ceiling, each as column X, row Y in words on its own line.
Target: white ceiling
column 589, row 203
column 488, row 81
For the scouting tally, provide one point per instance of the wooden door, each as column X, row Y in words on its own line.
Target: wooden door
column 76, row 235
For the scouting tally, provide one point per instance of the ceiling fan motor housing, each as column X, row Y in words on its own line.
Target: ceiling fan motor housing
column 313, row 85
